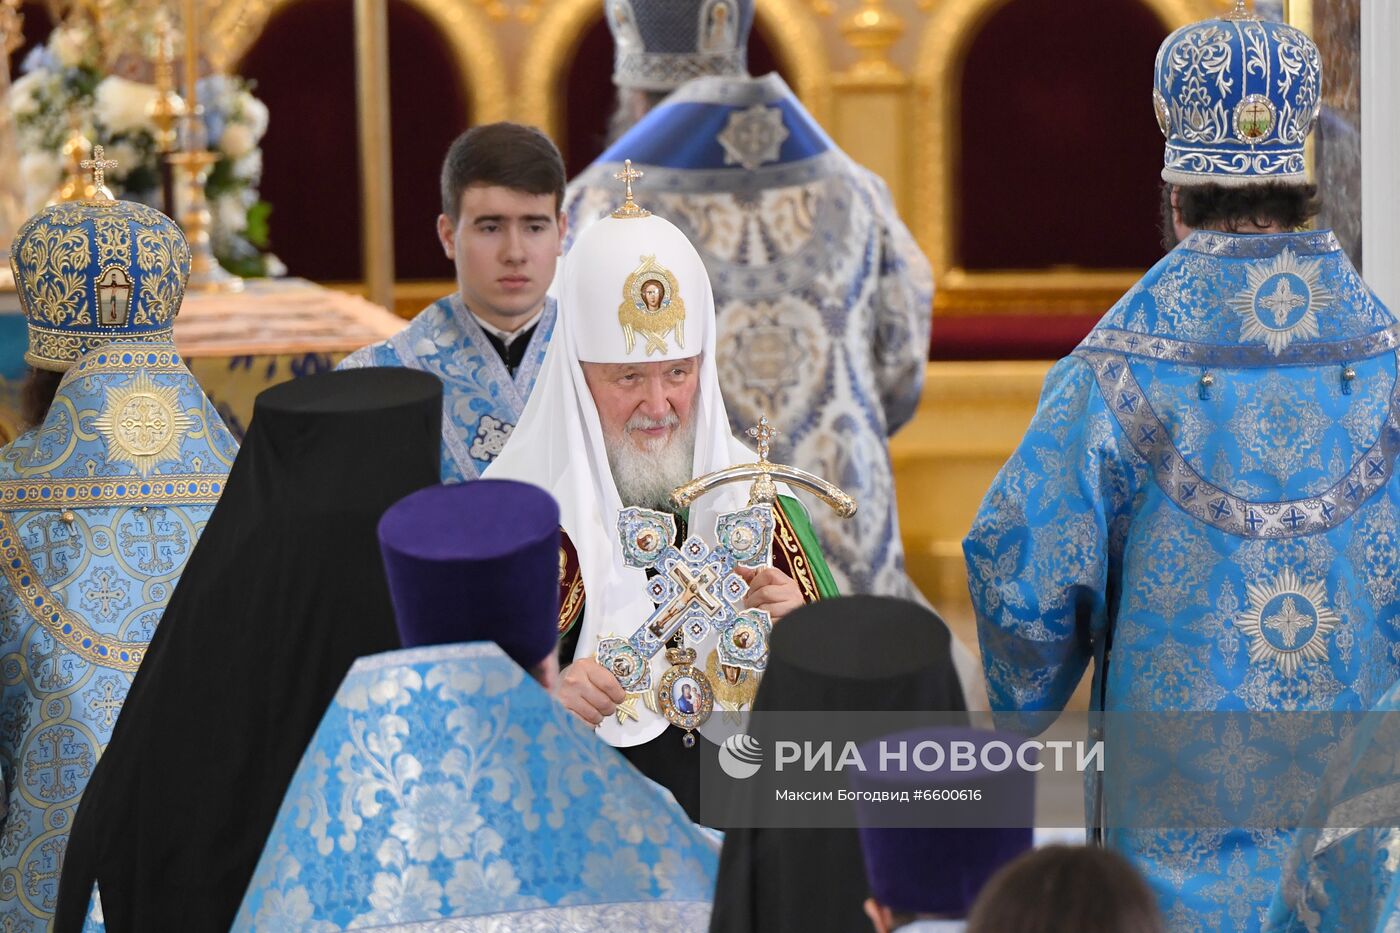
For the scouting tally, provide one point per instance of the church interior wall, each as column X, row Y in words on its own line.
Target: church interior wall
column 1031, row 188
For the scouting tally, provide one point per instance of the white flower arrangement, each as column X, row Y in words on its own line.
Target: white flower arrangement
column 62, row 87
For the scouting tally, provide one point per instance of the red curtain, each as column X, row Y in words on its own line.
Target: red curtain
column 1059, row 148
column 304, row 66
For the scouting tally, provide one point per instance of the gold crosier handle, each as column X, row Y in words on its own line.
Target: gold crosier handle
column 761, row 475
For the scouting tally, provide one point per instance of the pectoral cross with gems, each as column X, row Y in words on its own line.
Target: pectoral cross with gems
column 99, row 166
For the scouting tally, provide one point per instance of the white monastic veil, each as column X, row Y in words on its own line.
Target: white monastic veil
column 558, row 443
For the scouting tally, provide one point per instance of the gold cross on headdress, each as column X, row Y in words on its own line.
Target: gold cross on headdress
column 629, row 208
column 1240, row 12
column 99, row 166
column 763, row 432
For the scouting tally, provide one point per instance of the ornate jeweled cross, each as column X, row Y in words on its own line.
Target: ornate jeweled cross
column 695, row 586
column 763, row 432
column 99, row 167
column 629, row 208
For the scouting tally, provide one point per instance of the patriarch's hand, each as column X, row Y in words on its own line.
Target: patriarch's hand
column 589, row 691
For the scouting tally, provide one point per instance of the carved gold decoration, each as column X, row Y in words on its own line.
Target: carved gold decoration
column 952, row 25
column 526, row 11
column 466, row 28
column 797, row 41
column 206, row 275
column 872, row 31
column 168, row 107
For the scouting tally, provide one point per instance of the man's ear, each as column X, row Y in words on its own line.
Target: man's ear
column 563, row 230
column 447, row 236
column 881, row 917
column 1176, row 205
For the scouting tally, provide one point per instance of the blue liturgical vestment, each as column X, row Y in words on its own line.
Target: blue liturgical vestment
column 481, row 401
column 443, row 785
column 1343, row 869
column 824, row 300
column 1206, row 495
column 100, row 506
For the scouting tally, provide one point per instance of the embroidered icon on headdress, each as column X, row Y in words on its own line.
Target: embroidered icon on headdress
column 651, row 306
column 1163, row 111
column 113, row 297
column 1281, row 300
column 1287, row 622
column 1254, row 118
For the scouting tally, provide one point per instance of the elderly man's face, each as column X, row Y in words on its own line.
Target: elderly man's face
column 645, row 404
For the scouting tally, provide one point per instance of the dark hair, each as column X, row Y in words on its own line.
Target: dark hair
column 37, row 395
column 510, row 155
column 1089, row 890
column 1227, row 207
column 622, row 120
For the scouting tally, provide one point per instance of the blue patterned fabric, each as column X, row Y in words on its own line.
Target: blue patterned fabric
column 444, row 783
column 481, row 402
column 100, row 506
column 1208, row 481
column 1342, row 871
column 823, row 299
column 1236, row 98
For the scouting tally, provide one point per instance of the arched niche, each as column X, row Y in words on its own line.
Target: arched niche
column 590, row 94
column 1058, row 154
column 311, row 174
column 949, row 36
column 785, row 27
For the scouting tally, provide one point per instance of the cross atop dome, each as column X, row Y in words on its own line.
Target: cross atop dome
column 629, row 208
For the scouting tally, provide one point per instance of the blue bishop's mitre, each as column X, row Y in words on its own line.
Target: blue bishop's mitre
column 1236, row 98
column 90, row 272
column 661, row 44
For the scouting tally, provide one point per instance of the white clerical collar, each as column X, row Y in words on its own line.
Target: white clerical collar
column 506, row 337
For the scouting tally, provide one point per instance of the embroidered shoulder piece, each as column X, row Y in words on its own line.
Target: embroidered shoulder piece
column 1289, row 518
column 1170, row 350
column 791, row 559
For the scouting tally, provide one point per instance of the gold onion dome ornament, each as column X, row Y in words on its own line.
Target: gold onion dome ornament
column 95, row 271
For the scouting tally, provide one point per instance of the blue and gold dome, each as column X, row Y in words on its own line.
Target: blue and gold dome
column 1236, row 98
column 91, row 272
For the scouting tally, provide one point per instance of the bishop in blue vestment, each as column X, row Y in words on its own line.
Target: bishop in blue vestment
column 1205, row 504
column 100, row 507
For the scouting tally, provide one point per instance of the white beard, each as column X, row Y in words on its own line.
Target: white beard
column 645, row 474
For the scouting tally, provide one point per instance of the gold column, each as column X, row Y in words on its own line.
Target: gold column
column 376, row 178
column 871, row 108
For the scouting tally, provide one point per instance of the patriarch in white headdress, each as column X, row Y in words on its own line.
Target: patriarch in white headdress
column 626, row 408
